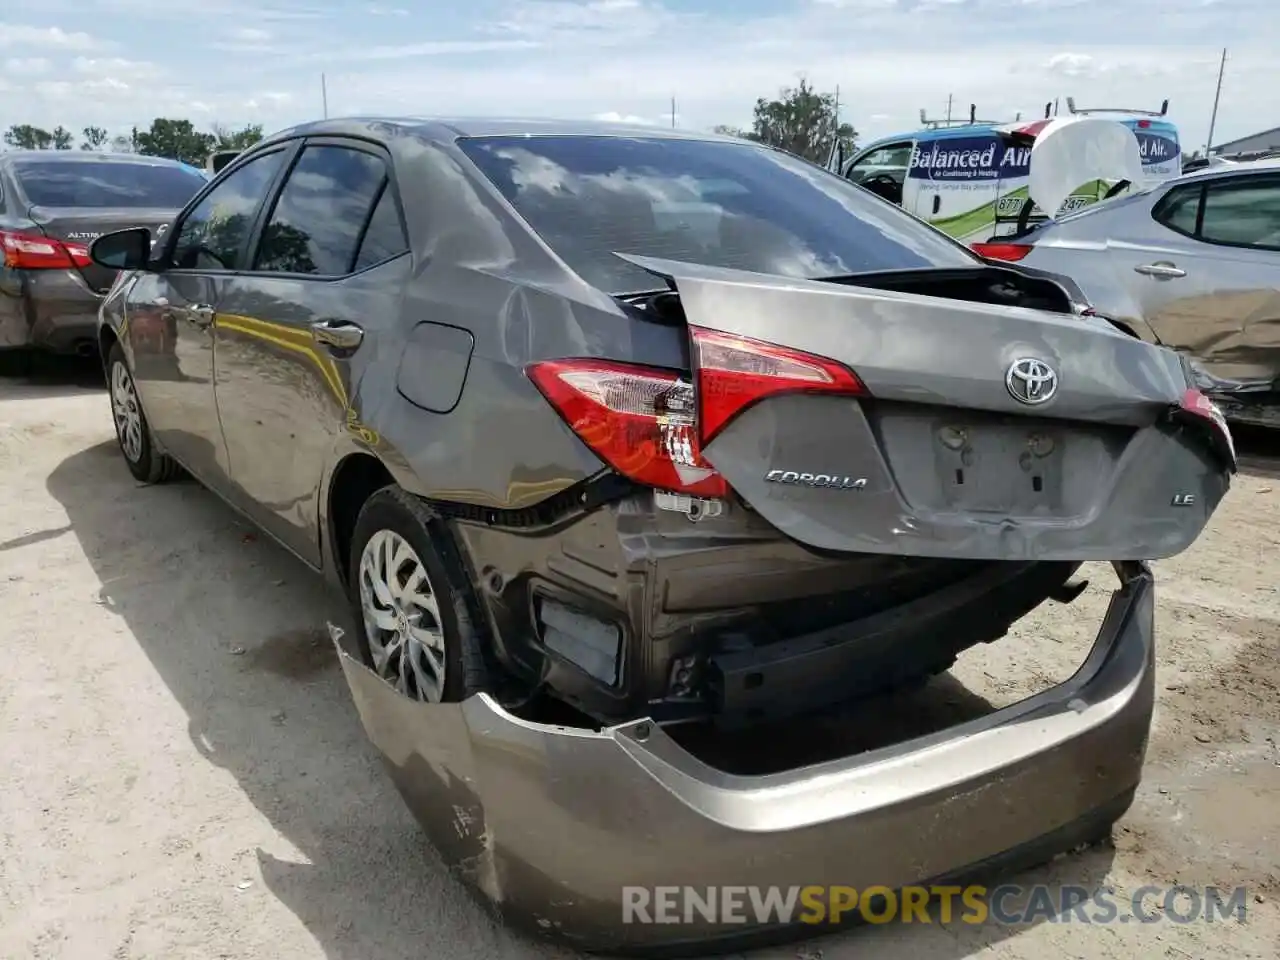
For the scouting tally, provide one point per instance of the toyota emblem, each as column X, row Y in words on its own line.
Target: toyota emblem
column 1031, row 381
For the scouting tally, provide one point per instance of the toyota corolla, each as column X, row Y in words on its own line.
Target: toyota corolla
column 665, row 428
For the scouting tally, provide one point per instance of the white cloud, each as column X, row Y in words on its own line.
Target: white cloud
column 250, row 35
column 411, row 51
column 246, row 40
column 593, row 22
column 54, row 38
column 116, row 68
column 377, row 10
column 613, row 116
column 28, row 65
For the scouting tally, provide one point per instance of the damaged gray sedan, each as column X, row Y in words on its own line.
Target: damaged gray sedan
column 610, row 434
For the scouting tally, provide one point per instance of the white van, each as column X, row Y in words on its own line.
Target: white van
column 970, row 179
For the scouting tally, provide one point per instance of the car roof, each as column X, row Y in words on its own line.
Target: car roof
column 85, row 156
column 1214, row 171
column 446, row 130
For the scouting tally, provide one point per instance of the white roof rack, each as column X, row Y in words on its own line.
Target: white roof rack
column 1071, row 106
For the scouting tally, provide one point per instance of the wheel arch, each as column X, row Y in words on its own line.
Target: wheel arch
column 355, row 477
column 107, row 338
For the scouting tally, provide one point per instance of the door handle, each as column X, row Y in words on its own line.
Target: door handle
column 1161, row 270
column 201, row 314
column 339, row 335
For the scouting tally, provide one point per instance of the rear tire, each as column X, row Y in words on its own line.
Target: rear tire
column 133, row 433
column 409, row 603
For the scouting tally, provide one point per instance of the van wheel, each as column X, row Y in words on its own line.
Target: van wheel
column 133, row 433
column 412, row 622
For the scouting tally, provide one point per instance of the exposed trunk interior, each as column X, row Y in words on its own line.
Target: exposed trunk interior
column 978, row 284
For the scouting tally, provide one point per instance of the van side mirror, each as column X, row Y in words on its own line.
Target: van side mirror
column 122, row 249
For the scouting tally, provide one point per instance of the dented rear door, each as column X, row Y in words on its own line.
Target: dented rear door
column 942, row 458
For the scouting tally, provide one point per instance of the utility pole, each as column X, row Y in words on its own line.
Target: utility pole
column 1213, row 118
column 324, row 96
column 949, row 108
column 673, row 113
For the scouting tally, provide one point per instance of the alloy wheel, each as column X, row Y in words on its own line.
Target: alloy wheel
column 402, row 617
column 127, row 412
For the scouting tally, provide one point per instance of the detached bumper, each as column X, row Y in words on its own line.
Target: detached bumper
column 550, row 823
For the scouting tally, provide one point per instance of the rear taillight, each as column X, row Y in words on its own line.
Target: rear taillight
column 33, row 251
column 1197, row 406
column 733, row 373
column 638, row 420
column 650, row 424
column 1001, row 251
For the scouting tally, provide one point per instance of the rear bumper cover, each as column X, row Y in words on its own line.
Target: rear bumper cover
column 47, row 309
column 550, row 823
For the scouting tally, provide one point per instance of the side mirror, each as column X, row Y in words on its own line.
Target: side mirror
column 122, row 249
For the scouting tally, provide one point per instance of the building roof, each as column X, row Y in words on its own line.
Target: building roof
column 1226, row 147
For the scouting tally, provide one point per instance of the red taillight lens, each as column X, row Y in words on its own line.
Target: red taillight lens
column 735, row 372
column 638, row 420
column 33, row 251
column 1001, row 251
column 1196, row 404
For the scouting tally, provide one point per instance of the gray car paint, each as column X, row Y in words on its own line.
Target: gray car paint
column 1115, row 471
column 249, row 399
column 548, row 824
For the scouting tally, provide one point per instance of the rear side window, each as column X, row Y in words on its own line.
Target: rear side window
column 384, row 236
column 720, row 203
column 1179, row 209
column 1243, row 213
column 213, row 234
column 106, row 184
column 320, row 214
column 1235, row 211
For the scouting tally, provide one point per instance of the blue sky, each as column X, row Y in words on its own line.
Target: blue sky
column 259, row 61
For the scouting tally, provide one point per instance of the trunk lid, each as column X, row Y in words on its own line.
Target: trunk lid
column 986, row 432
column 81, row 226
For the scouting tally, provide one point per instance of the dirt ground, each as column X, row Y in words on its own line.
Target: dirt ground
column 182, row 774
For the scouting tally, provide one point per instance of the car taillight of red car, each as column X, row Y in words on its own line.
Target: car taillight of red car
column 650, row 424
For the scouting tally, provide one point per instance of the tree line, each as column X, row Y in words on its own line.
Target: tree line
column 175, row 139
column 801, row 120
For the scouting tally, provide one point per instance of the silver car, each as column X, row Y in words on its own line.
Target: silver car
column 1192, row 263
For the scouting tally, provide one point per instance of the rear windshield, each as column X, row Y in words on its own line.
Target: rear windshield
column 83, row 183
column 718, row 203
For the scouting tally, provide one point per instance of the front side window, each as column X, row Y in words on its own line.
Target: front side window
column 720, row 203
column 320, row 215
column 212, row 236
column 1242, row 212
column 891, row 160
column 101, row 184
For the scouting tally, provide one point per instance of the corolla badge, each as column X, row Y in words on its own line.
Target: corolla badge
column 1031, row 381
column 827, row 480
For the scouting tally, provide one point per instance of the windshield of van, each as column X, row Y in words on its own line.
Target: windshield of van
column 719, row 203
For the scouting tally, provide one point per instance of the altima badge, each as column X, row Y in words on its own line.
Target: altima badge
column 827, row 481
